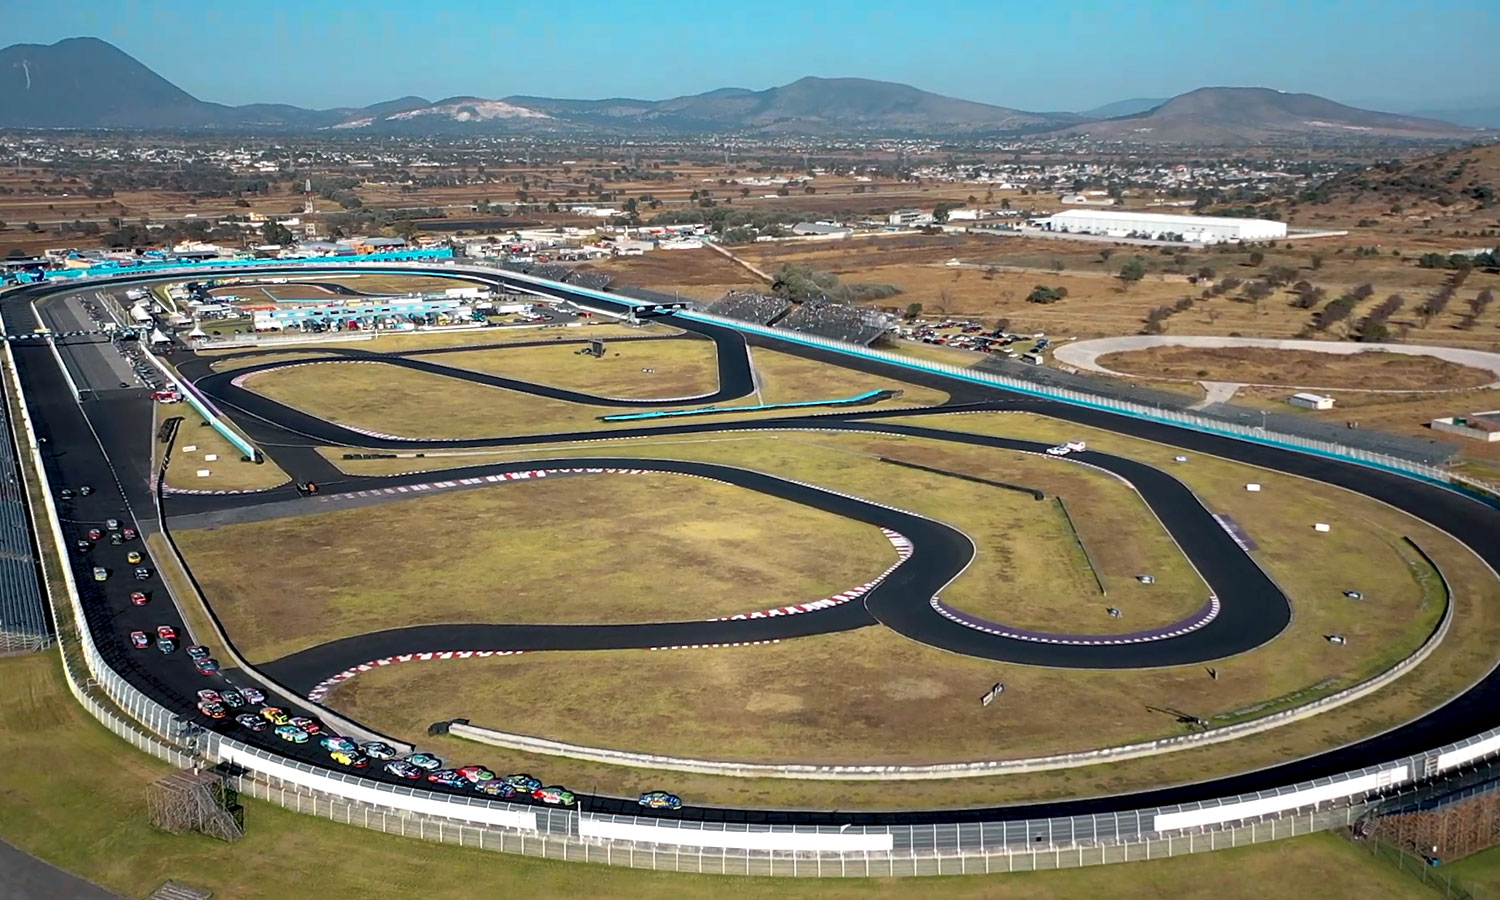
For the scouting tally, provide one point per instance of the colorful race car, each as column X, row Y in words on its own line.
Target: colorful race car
column 334, row 743
column 138, row 598
column 209, row 696
column 139, row 641
column 84, row 545
column 252, row 695
column 166, row 631
column 447, row 778
column 133, row 557
column 142, row 573
column 274, row 714
column 233, row 698
column 554, row 796
column 352, row 760
column 308, row 725
column 476, row 774
column 101, row 573
column 496, row 788
column 377, row 750
column 128, row 534
column 291, row 733
column 206, row 666
column 212, row 710
column 523, row 782
column 403, row 769
column 85, row 490
column 166, row 645
column 95, row 534
column 197, row 652
column 425, row 761
column 660, row 800
column 251, row 721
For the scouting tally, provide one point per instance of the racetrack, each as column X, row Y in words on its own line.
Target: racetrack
column 1252, row 609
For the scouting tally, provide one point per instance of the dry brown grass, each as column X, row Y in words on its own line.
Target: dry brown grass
column 546, row 550
column 633, row 369
column 1367, row 371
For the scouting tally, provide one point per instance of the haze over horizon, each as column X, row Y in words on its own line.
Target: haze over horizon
column 1027, row 56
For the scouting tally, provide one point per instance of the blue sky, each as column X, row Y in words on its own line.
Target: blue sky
column 1037, row 54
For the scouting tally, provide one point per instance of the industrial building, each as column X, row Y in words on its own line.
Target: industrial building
column 1162, row 226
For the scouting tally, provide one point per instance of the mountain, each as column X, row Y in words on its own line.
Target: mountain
column 1468, row 116
column 1239, row 115
column 1124, row 108
column 87, row 82
column 807, row 106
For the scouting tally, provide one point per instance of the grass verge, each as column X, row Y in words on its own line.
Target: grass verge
column 631, row 369
column 196, row 442
column 546, row 550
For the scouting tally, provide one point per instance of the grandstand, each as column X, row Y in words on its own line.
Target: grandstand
column 23, row 616
column 840, row 321
column 588, row 278
column 748, row 306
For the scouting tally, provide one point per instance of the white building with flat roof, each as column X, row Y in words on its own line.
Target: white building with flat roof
column 1159, row 226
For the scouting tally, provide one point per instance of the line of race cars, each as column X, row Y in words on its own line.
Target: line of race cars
column 241, row 703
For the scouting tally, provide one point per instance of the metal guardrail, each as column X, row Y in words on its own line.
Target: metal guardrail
column 957, row 848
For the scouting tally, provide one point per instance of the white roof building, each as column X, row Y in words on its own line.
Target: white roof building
column 1123, row 224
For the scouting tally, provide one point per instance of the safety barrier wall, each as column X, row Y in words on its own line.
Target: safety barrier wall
column 205, row 409
column 915, row 850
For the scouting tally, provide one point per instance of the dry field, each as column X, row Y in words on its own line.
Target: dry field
column 633, row 369
column 1368, row 371
column 695, row 274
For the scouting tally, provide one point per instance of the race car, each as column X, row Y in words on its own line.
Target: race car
column 476, row 774
column 138, row 598
column 447, row 778
column 334, row 743
column 133, row 557
column 95, row 534
column 252, row 695
column 425, row 761
column 660, row 800
column 65, row 494
column 554, row 796
column 139, row 641
column 291, row 733
column 212, row 710
column 142, row 573
column 101, row 573
column 85, row 490
column 112, row 524
column 197, row 652
column 115, row 539
column 523, row 783
column 166, row 631
column 251, row 721
column 233, row 698
column 352, row 760
column 403, row 769
column 275, row 715
column 206, row 666
column 308, row 725
column 166, row 645
column 127, row 533
column 209, row 696
column 377, row 750
column 496, row 788
column 84, row 545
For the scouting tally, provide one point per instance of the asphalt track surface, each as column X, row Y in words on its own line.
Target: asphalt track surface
column 77, row 457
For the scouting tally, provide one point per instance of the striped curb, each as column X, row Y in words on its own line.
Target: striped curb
column 717, row 646
column 904, row 551
column 321, row 689
column 1208, row 613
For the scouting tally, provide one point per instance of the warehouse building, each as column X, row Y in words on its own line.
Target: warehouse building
column 1162, row 226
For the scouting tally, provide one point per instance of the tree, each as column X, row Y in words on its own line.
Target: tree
column 1133, row 270
column 33, row 227
column 913, row 310
column 1044, row 294
column 940, row 212
column 1057, row 265
column 1005, row 203
column 276, row 233
column 1257, row 257
column 405, row 228
column 1205, row 273
column 1105, row 254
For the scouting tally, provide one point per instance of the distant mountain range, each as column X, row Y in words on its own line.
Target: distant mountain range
column 89, row 83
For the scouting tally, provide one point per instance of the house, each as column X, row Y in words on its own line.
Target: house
column 821, row 229
column 910, row 217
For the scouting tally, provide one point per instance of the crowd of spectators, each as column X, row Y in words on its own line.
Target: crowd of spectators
column 840, row 321
column 748, row 306
column 589, row 278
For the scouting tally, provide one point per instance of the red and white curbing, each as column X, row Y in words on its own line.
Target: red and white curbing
column 1187, row 626
column 717, row 646
column 321, row 690
column 903, row 550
